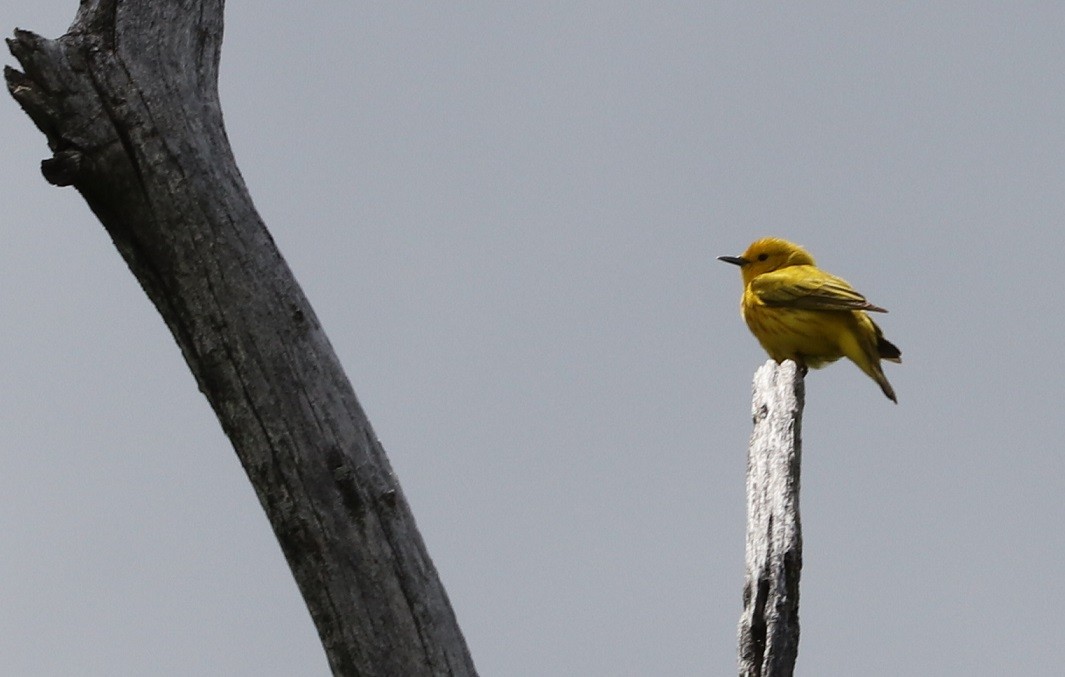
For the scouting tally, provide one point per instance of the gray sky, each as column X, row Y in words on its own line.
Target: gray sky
column 507, row 218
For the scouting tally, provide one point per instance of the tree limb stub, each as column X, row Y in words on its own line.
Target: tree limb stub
column 129, row 104
column 769, row 625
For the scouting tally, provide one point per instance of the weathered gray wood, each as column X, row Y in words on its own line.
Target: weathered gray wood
column 769, row 626
column 128, row 101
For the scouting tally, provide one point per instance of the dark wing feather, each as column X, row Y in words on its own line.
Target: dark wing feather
column 808, row 289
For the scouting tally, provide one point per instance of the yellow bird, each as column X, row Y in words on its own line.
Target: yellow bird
column 799, row 312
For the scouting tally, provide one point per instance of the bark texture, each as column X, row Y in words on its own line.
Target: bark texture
column 769, row 626
column 129, row 104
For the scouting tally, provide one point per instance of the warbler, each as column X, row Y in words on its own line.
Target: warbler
column 799, row 312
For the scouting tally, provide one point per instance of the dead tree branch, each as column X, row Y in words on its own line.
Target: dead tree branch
column 128, row 101
column 769, row 626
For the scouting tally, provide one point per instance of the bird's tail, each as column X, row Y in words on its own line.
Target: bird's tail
column 869, row 362
column 871, row 354
column 881, row 380
column 886, row 349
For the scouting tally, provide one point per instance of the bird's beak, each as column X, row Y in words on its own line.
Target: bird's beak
column 734, row 260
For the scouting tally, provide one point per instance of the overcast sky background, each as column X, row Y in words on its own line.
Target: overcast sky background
column 507, row 218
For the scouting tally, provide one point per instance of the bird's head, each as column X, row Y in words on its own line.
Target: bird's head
column 767, row 255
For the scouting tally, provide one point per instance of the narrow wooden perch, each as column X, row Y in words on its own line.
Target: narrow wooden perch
column 128, row 100
column 769, row 626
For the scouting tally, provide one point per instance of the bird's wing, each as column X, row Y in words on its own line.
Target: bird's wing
column 808, row 289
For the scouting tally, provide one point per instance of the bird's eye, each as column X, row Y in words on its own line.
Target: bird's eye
column 763, row 257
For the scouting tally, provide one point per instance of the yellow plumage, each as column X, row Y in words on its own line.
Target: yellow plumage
column 799, row 312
